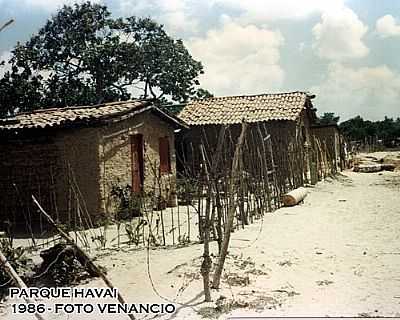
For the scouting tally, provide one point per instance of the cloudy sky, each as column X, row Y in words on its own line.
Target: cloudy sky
column 344, row 51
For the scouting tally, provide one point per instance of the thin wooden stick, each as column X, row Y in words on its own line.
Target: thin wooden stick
column 206, row 265
column 16, row 279
column 85, row 259
column 232, row 207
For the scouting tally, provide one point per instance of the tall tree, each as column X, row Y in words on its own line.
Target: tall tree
column 20, row 91
column 329, row 118
column 84, row 56
column 387, row 130
column 354, row 128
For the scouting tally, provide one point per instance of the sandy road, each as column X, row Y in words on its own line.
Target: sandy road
column 342, row 246
column 337, row 254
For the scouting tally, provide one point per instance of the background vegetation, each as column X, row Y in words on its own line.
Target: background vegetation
column 358, row 129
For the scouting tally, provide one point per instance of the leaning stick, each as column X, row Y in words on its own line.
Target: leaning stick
column 84, row 259
column 232, row 207
column 6, row 24
column 206, row 265
column 17, row 279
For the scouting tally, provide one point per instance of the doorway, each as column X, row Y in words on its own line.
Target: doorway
column 137, row 162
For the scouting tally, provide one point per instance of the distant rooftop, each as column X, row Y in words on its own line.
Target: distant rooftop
column 253, row 108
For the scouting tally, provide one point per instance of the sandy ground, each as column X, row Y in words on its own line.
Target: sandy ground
column 337, row 254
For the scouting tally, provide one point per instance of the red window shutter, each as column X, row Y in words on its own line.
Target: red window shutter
column 165, row 161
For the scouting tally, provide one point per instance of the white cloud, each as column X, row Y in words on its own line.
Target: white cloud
column 177, row 15
column 265, row 10
column 387, row 26
column 371, row 92
column 339, row 35
column 184, row 16
column 239, row 60
column 143, row 6
column 178, row 22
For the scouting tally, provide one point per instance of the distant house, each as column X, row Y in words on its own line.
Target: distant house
column 334, row 142
column 72, row 159
column 285, row 117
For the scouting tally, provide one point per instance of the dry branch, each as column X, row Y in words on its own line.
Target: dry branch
column 206, row 265
column 16, row 278
column 82, row 256
column 232, row 207
column 6, row 24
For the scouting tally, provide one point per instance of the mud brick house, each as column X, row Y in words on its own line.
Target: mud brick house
column 72, row 158
column 285, row 117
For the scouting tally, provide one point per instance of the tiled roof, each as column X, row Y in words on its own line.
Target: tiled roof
column 60, row 117
column 231, row 110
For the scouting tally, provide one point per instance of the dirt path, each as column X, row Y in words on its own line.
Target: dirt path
column 338, row 254
column 342, row 246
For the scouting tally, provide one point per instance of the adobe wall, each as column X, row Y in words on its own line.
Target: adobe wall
column 78, row 187
column 71, row 172
column 59, row 168
column 26, row 168
column 115, row 157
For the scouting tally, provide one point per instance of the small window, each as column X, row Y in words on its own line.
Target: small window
column 165, row 159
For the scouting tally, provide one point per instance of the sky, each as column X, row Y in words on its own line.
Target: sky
column 343, row 51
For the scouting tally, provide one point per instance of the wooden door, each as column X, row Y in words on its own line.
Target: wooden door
column 137, row 162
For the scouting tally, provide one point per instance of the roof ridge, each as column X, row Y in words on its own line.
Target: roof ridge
column 260, row 107
column 251, row 95
column 94, row 106
column 87, row 115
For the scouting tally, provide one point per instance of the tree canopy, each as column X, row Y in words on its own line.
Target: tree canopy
column 328, row 118
column 358, row 129
column 387, row 130
column 83, row 56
